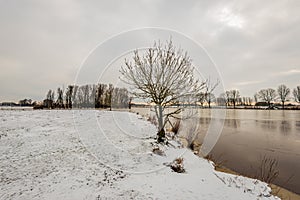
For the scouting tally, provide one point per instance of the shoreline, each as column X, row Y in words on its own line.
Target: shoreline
column 285, row 191
column 294, row 107
column 281, row 192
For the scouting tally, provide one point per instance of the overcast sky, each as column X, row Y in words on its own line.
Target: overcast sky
column 255, row 44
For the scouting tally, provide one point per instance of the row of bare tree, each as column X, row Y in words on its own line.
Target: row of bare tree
column 88, row 96
column 282, row 94
column 268, row 96
column 233, row 97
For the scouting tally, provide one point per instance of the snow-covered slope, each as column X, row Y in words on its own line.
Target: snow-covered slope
column 87, row 154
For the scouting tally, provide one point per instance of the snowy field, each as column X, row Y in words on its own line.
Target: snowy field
column 85, row 154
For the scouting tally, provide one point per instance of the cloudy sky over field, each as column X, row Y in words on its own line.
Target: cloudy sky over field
column 255, row 44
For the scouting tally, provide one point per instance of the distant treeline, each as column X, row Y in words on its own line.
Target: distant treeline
column 269, row 97
column 87, row 96
column 23, row 103
column 108, row 96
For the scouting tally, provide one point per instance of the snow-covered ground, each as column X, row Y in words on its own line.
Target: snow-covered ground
column 86, row 154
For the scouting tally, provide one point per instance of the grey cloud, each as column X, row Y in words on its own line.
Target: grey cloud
column 43, row 43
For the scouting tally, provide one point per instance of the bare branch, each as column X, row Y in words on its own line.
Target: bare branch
column 163, row 74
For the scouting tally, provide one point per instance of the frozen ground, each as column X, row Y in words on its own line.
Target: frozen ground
column 103, row 155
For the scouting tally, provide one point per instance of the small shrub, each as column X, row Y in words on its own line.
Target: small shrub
column 177, row 165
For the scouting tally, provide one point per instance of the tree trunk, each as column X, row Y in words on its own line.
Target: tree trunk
column 282, row 105
column 161, row 131
column 160, row 117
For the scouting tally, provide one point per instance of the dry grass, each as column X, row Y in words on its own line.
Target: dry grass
column 175, row 127
column 268, row 169
column 191, row 135
column 153, row 120
column 218, row 161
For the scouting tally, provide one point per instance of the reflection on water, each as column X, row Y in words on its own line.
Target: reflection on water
column 204, row 120
column 267, row 124
column 250, row 134
column 298, row 126
column 233, row 123
column 285, row 127
column 275, row 134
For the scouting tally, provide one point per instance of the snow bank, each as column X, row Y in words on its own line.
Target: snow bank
column 88, row 154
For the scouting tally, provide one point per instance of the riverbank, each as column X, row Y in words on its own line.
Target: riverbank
column 249, row 135
column 87, row 154
column 220, row 165
column 282, row 193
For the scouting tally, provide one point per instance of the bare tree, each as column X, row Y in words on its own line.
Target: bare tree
column 267, row 95
column 50, row 95
column 79, row 97
column 162, row 74
column 227, row 97
column 124, row 99
column 86, row 95
column 246, row 101
column 74, row 96
column 209, row 97
column 221, row 100
column 93, row 92
column 250, row 100
column 296, row 93
column 209, row 88
column 99, row 95
column 201, row 98
column 69, row 94
column 108, row 96
column 234, row 97
column 130, row 102
column 283, row 93
column 60, row 101
column 48, row 102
